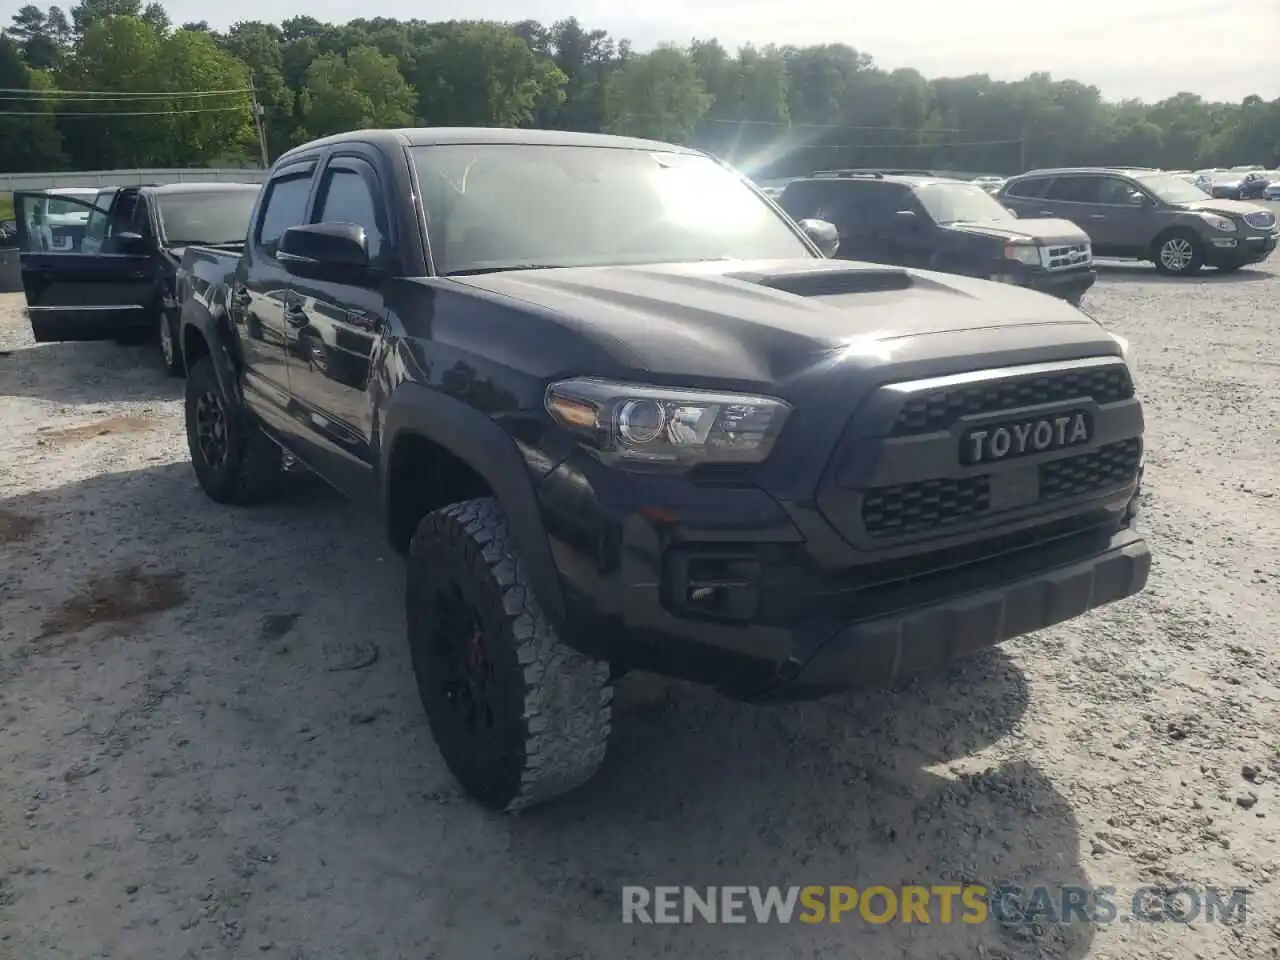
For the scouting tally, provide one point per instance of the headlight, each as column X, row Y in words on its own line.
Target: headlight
column 1126, row 351
column 1023, row 253
column 1225, row 224
column 667, row 425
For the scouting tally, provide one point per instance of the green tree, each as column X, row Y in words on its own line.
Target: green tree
column 658, row 95
column 363, row 89
column 30, row 140
column 482, row 74
column 192, row 60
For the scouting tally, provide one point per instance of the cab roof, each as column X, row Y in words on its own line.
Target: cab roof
column 435, row 136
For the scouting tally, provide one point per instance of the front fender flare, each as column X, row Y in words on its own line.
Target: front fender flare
column 213, row 328
column 491, row 452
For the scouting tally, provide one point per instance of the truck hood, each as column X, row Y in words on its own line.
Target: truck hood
column 767, row 321
column 1034, row 230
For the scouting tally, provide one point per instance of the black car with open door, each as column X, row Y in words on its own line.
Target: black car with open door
column 116, row 279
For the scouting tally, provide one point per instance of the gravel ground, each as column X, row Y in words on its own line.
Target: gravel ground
column 211, row 744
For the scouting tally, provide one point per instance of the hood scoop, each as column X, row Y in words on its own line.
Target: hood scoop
column 834, row 283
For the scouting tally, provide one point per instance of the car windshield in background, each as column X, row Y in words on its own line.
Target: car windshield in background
column 960, row 203
column 506, row 206
column 1172, row 189
column 221, row 217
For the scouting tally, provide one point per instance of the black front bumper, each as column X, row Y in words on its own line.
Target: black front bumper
column 1069, row 285
column 884, row 649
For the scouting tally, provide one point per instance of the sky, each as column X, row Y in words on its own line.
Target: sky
column 1149, row 49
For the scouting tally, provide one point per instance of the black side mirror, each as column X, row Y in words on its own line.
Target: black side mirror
column 130, row 242
column 326, row 250
column 823, row 234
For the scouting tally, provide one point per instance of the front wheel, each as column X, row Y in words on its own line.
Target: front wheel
column 1178, row 254
column 518, row 716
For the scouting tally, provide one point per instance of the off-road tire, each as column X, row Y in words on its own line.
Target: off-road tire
column 555, row 705
column 251, row 470
column 1194, row 245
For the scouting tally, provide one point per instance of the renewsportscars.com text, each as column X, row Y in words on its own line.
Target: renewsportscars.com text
column 937, row 904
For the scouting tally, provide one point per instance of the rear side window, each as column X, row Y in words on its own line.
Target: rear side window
column 284, row 206
column 348, row 197
column 1029, row 189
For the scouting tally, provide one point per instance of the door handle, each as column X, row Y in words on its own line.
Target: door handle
column 1046, row 213
column 294, row 315
column 1097, row 216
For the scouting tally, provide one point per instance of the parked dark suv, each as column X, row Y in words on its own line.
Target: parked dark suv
column 917, row 219
column 1148, row 215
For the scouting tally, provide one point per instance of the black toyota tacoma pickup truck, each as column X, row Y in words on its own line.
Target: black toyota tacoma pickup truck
column 619, row 413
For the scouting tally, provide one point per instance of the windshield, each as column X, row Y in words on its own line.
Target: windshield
column 503, row 206
column 206, row 217
column 960, row 202
column 1173, row 189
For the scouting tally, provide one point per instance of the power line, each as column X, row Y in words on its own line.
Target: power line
column 120, row 113
column 117, row 94
column 834, row 126
column 904, row 146
column 50, row 100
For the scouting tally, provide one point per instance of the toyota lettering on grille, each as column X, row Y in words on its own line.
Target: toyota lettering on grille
column 1025, row 437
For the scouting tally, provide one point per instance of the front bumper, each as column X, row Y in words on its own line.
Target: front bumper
column 932, row 635
column 1069, row 285
column 788, row 630
column 1250, row 246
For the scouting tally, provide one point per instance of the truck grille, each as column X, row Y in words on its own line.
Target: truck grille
column 1066, row 256
column 932, row 505
column 939, row 410
column 1263, row 219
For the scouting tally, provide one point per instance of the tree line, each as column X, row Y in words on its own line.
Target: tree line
column 115, row 84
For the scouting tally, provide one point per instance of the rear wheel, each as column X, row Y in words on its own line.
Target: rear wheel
column 1178, row 254
column 234, row 461
column 518, row 716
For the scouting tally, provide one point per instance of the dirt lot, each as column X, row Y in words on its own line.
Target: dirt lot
column 211, row 745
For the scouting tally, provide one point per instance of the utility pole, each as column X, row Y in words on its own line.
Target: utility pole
column 259, row 123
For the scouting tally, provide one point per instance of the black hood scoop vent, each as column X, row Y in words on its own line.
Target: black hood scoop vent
column 834, row 283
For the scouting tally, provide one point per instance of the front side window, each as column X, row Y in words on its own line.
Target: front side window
column 285, row 206
column 347, row 197
column 208, row 218
column 504, row 206
column 1173, row 189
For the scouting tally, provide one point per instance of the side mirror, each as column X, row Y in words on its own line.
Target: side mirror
column 823, row 234
column 131, row 242
column 330, row 250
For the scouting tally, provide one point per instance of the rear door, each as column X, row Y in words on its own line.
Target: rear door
column 71, row 294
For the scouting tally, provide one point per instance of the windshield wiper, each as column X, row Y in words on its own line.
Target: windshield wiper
column 474, row 271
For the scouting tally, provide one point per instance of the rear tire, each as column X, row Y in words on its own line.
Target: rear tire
column 1178, row 254
column 518, row 716
column 233, row 459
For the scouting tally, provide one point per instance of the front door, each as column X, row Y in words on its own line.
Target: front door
column 71, row 294
column 336, row 329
